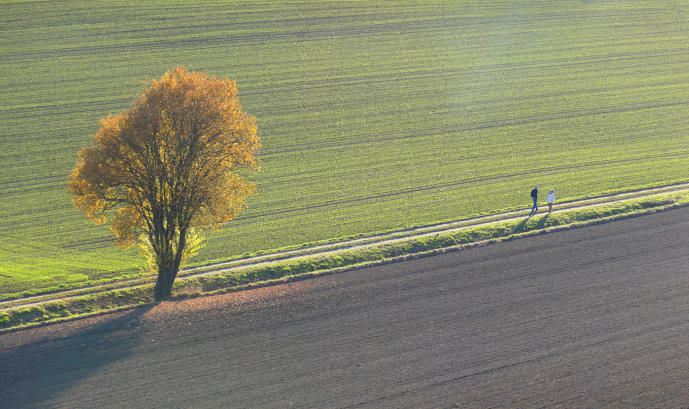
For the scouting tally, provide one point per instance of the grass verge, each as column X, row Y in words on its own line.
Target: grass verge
column 292, row 270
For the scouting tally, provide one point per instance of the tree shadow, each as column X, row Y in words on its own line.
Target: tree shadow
column 33, row 374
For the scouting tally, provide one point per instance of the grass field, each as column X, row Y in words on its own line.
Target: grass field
column 373, row 115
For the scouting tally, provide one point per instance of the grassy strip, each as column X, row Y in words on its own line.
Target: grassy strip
column 305, row 249
column 76, row 307
column 440, row 241
column 136, row 277
column 411, row 230
column 346, row 260
column 75, row 287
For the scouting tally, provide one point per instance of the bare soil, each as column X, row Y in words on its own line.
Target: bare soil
column 585, row 318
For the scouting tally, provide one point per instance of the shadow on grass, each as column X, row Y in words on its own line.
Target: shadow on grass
column 522, row 225
column 532, row 222
column 542, row 222
column 33, row 374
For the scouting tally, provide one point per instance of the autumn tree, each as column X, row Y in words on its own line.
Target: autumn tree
column 178, row 159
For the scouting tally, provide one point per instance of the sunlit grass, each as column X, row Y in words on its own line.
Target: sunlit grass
column 374, row 116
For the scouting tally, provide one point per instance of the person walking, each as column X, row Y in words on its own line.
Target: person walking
column 551, row 200
column 534, row 196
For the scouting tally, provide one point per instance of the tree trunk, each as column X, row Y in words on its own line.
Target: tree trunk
column 168, row 266
column 166, row 277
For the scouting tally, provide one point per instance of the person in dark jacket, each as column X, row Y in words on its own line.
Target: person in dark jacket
column 534, row 196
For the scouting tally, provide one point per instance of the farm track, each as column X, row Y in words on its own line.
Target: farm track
column 585, row 318
column 333, row 248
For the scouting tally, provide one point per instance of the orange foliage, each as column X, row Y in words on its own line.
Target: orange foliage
column 170, row 162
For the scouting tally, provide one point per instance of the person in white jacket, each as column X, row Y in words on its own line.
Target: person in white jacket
column 551, row 200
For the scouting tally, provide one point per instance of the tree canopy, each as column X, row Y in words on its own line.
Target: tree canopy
column 176, row 160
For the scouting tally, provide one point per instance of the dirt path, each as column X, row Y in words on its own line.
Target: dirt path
column 333, row 248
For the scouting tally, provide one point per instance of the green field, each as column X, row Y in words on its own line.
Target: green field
column 373, row 115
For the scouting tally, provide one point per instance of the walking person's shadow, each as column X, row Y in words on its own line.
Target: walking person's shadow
column 532, row 223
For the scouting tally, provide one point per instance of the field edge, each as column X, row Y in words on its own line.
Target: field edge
column 283, row 271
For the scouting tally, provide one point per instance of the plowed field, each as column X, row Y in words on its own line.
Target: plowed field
column 592, row 317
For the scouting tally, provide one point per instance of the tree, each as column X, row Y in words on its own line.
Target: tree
column 178, row 159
